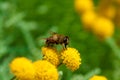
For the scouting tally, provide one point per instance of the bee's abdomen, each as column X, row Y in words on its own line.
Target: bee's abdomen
column 50, row 41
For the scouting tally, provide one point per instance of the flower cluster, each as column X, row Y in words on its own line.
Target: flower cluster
column 45, row 69
column 69, row 56
column 99, row 19
column 24, row 69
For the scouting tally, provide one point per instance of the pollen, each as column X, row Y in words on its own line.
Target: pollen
column 45, row 70
column 51, row 55
column 71, row 58
column 98, row 78
column 22, row 68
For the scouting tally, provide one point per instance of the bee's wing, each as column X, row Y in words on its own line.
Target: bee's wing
column 52, row 33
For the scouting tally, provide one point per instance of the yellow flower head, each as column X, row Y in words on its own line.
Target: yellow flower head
column 109, row 12
column 98, row 78
column 51, row 55
column 88, row 19
column 103, row 28
column 22, row 68
column 83, row 5
column 45, row 70
column 71, row 58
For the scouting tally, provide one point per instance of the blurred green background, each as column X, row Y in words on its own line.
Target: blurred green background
column 24, row 22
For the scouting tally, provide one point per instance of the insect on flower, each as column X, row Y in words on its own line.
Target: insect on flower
column 57, row 39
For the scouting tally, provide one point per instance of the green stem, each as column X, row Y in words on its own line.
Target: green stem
column 3, row 46
column 114, row 47
column 116, row 63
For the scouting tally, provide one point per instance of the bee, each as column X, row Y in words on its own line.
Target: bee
column 57, row 39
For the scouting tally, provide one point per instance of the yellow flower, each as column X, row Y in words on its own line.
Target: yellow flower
column 51, row 55
column 117, row 1
column 83, row 5
column 88, row 19
column 98, row 78
column 108, row 12
column 103, row 27
column 45, row 70
column 22, row 68
column 71, row 58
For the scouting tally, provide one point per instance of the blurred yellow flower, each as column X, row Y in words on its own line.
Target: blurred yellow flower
column 83, row 5
column 117, row 1
column 98, row 78
column 51, row 55
column 88, row 19
column 45, row 70
column 103, row 27
column 71, row 58
column 109, row 12
column 22, row 68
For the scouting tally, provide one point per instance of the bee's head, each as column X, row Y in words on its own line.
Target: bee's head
column 66, row 40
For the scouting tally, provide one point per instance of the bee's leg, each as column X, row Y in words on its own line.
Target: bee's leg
column 49, row 45
column 63, row 45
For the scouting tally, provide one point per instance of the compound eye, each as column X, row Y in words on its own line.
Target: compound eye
column 66, row 39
